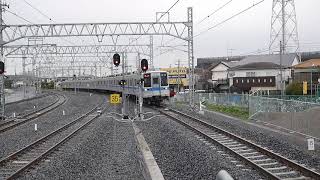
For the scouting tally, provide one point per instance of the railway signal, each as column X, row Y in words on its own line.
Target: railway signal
column 1, row 67
column 144, row 65
column 116, row 59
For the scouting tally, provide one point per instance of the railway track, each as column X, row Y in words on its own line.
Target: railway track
column 270, row 164
column 16, row 163
column 23, row 118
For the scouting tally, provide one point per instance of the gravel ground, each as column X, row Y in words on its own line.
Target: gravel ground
column 23, row 135
column 181, row 154
column 27, row 106
column 286, row 145
column 103, row 150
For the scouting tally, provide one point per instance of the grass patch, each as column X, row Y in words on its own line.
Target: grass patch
column 235, row 111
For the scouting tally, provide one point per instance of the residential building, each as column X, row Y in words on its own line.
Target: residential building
column 262, row 72
column 306, row 71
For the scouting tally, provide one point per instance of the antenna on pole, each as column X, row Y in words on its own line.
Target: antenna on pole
column 284, row 27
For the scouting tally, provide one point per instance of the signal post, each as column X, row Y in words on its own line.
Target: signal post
column 116, row 62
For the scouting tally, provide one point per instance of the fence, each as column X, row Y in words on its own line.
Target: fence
column 306, row 98
column 296, row 115
column 241, row 100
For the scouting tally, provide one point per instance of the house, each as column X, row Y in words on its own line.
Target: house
column 306, row 71
column 261, row 72
column 203, row 81
column 220, row 75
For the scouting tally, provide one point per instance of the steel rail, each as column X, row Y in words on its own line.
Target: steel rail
column 5, row 162
column 35, row 114
column 232, row 137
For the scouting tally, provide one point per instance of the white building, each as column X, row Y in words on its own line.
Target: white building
column 261, row 72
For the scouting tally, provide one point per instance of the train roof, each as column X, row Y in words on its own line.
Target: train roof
column 117, row 75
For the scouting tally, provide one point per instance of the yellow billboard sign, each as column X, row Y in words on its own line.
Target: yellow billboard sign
column 177, row 75
column 115, row 98
column 175, row 70
column 305, row 87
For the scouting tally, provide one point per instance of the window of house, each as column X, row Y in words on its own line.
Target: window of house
column 265, row 80
column 251, row 74
column 258, row 80
column 242, row 80
column 237, row 81
column 253, row 80
column 248, row 80
column 270, row 80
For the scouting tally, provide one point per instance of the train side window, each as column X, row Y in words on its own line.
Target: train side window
column 147, row 80
column 164, row 79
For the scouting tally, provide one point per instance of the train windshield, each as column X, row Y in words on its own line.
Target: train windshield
column 164, row 79
column 147, row 80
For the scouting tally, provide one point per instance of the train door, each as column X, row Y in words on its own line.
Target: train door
column 155, row 84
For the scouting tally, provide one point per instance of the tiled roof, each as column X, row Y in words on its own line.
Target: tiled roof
column 287, row 59
column 308, row 64
column 256, row 66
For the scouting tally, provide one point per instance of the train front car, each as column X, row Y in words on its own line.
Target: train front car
column 156, row 87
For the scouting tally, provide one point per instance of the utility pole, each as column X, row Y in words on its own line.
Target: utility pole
column 140, row 89
column 179, row 78
column 2, row 59
column 283, row 42
column 281, row 79
column 124, row 96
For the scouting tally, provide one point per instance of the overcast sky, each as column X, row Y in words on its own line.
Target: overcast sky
column 244, row 34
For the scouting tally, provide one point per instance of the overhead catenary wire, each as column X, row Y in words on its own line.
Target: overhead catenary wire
column 51, row 19
column 220, row 23
column 15, row 14
column 157, row 20
column 228, row 19
column 33, row 7
column 168, row 10
column 215, row 11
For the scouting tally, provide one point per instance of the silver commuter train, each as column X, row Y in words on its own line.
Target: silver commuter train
column 156, row 86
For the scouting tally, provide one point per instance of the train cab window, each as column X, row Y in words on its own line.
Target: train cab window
column 147, row 80
column 164, row 79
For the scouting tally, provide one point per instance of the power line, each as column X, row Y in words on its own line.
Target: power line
column 157, row 20
column 217, row 25
column 215, row 11
column 37, row 10
column 168, row 10
column 15, row 14
column 228, row 19
column 43, row 14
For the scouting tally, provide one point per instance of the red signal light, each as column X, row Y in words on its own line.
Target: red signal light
column 144, row 65
column 116, row 59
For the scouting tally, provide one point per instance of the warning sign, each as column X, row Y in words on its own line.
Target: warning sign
column 311, row 144
column 115, row 98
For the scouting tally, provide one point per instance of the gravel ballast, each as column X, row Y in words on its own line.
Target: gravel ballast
column 288, row 146
column 75, row 106
column 103, row 150
column 28, row 105
column 181, row 154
